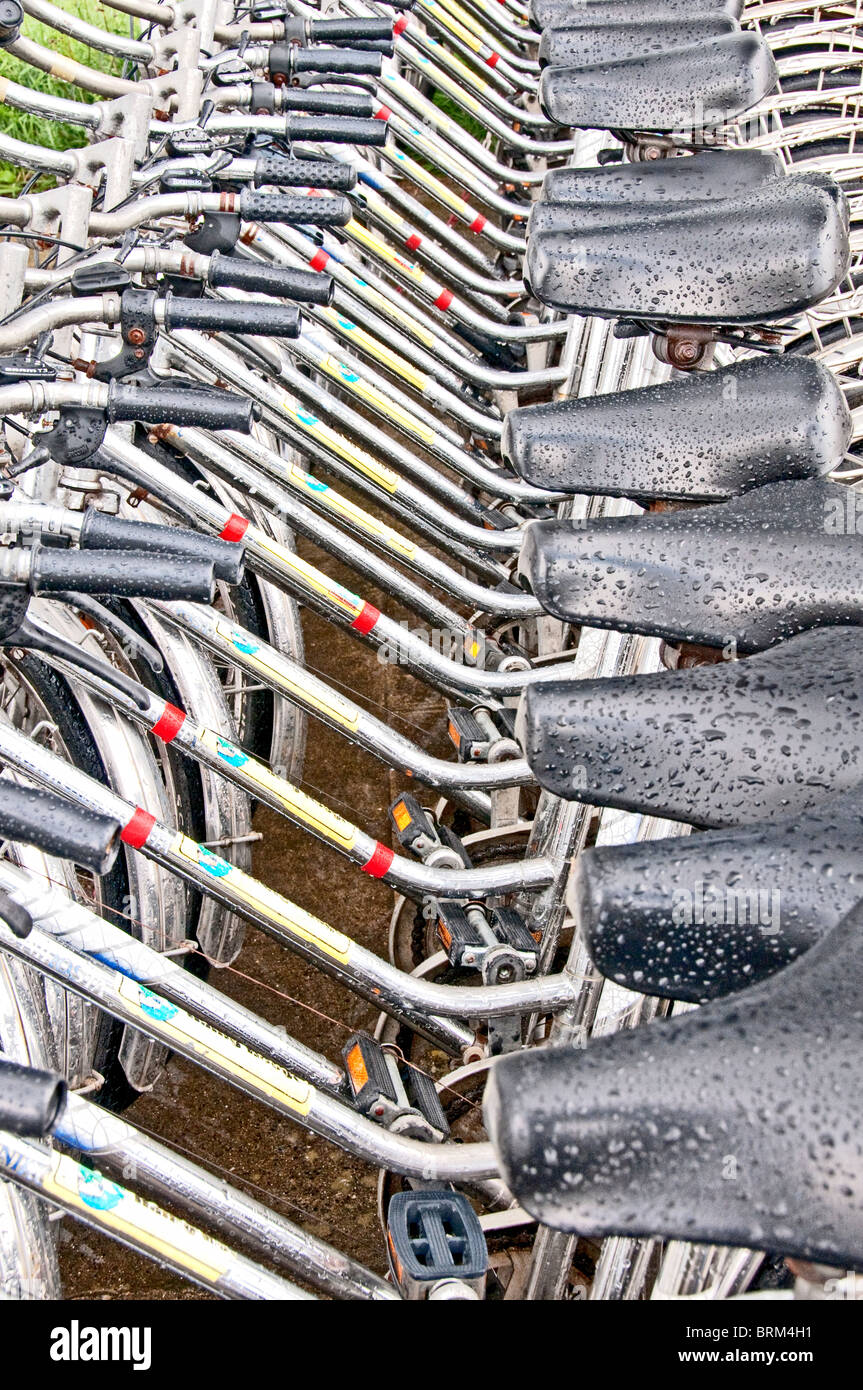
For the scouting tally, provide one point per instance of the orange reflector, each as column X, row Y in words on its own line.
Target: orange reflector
column 357, row 1067
column 397, row 1264
column 401, row 815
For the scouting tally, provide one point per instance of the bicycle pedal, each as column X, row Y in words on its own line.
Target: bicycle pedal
column 511, row 930
column 397, row 1095
column 460, row 938
column 471, row 935
column 436, row 1245
column 419, row 833
column 370, row 1077
column 471, row 740
column 414, row 826
column 474, row 735
column 424, row 1098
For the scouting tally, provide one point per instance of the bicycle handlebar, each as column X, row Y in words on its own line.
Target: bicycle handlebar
column 283, row 172
column 335, row 130
column 232, row 272
column 297, row 209
column 250, row 204
column 218, row 315
column 340, row 30
column 286, row 60
column 314, row 101
column 180, row 405
column 31, row 1101
column 121, row 573
column 50, row 823
column 100, row 531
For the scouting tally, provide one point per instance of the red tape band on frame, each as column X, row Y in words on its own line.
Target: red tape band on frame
column 234, row 528
column 380, row 861
column 366, row 618
column 169, row 723
column 137, row 830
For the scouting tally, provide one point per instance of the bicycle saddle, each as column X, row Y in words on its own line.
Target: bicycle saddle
column 705, row 436
column 703, row 916
column 740, row 1123
column 600, row 12
column 679, row 89
column 686, row 178
column 574, row 219
column 720, row 745
column 753, row 571
column 577, row 44
column 767, row 254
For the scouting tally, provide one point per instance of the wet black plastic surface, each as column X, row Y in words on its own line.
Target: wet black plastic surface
column 738, row 1124
column 708, row 436
column 702, row 916
column 730, row 744
column 679, row 89
column 761, row 256
column 750, row 572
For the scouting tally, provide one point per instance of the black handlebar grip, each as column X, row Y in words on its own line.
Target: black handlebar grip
column 173, row 405
column 31, row 1101
column 349, row 27
column 296, row 209
column 224, row 316
column 122, row 574
column 335, row 130
column 311, row 101
column 353, row 62
column 315, row 101
column 50, row 823
column 307, row 286
column 283, row 172
column 99, row 531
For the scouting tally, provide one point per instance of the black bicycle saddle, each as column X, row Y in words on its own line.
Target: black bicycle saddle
column 707, row 436
column 658, row 199
column 767, row 254
column 752, row 572
column 678, row 89
column 544, row 12
column 730, row 744
column 577, row 44
column 699, row 917
column 683, row 178
column 740, row 1123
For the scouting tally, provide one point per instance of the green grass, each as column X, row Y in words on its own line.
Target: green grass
column 56, row 135
column 456, row 113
